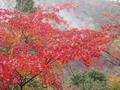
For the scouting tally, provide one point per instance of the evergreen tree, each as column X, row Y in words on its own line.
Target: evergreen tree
column 25, row 6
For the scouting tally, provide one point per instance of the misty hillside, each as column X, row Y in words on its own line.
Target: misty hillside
column 90, row 12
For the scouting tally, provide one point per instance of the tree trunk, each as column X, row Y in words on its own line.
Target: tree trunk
column 21, row 87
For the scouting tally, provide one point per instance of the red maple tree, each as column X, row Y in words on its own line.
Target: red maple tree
column 32, row 47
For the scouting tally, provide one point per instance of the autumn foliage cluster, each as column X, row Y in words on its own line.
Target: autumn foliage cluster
column 30, row 47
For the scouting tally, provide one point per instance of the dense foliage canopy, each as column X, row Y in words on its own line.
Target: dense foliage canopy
column 30, row 46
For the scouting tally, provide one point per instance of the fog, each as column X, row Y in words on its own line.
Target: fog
column 90, row 14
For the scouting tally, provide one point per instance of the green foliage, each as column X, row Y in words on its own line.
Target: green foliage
column 25, row 6
column 93, row 80
column 5, row 50
column 35, row 84
column 76, row 80
column 97, row 76
column 33, row 51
